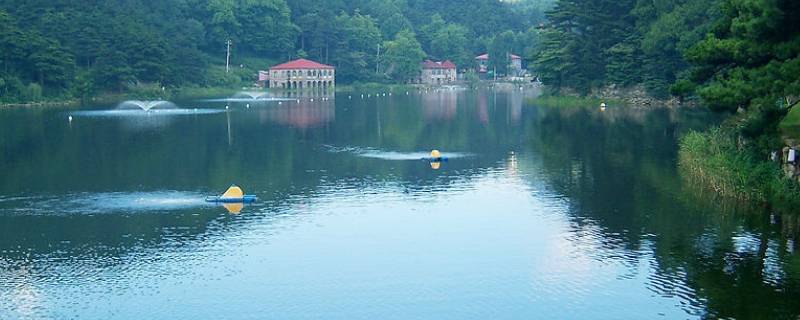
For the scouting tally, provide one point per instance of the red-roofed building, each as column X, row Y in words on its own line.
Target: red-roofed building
column 437, row 72
column 300, row 74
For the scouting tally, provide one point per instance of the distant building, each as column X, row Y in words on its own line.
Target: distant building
column 514, row 68
column 438, row 72
column 301, row 74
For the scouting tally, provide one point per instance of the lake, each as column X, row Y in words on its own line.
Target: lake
column 538, row 212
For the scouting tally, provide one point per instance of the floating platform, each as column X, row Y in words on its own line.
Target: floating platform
column 244, row 199
column 234, row 194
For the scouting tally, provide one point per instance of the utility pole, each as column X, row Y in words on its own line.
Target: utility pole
column 228, row 57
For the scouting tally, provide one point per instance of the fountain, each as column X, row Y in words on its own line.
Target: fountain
column 252, row 95
column 143, row 109
column 146, row 105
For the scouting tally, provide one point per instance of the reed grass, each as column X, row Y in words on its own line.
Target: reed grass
column 713, row 159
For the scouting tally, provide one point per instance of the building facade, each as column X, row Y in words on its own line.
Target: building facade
column 514, row 67
column 302, row 74
column 438, row 72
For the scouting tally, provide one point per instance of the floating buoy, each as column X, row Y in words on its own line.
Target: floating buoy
column 312, row 99
column 436, row 165
column 69, row 118
column 349, row 97
column 603, row 105
column 436, row 154
column 248, row 106
column 280, row 102
column 226, row 107
column 234, row 194
column 298, row 100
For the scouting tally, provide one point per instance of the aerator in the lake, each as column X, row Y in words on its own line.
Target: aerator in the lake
column 436, row 159
column 146, row 105
column 234, row 194
column 436, row 156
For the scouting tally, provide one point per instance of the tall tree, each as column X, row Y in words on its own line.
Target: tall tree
column 357, row 41
column 751, row 61
column 403, row 56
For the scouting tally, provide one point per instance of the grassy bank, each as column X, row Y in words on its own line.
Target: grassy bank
column 790, row 126
column 713, row 160
column 792, row 119
column 572, row 101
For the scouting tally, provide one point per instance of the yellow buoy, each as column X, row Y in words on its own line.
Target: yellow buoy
column 233, row 208
column 436, row 154
column 436, row 165
column 233, row 192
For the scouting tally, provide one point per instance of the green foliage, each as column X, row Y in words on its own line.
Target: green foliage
column 357, row 37
column 713, row 159
column 593, row 43
column 149, row 91
column 447, row 41
column 571, row 102
column 472, row 78
column 79, row 48
column 403, row 56
column 500, row 50
column 682, row 88
column 792, row 119
column 33, row 93
column 750, row 62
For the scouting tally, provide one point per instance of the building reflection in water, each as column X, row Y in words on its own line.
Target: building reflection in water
column 311, row 109
column 441, row 105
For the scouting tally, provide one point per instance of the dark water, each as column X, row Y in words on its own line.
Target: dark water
column 544, row 213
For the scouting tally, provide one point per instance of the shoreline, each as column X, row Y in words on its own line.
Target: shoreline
column 194, row 92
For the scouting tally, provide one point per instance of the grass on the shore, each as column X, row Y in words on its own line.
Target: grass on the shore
column 792, row 119
column 572, row 101
column 790, row 125
column 712, row 159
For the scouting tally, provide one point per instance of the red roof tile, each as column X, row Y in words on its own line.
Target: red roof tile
column 301, row 64
column 428, row 64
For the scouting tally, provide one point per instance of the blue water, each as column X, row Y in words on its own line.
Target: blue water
column 539, row 213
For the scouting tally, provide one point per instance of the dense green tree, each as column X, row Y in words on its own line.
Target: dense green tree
column 357, row 40
column 223, row 23
column 750, row 62
column 500, row 50
column 50, row 62
column 403, row 56
column 267, row 28
column 84, row 47
column 447, row 41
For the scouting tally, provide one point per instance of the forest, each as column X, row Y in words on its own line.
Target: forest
column 736, row 57
column 732, row 55
column 76, row 49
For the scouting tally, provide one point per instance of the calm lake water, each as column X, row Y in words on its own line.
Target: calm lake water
column 545, row 213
